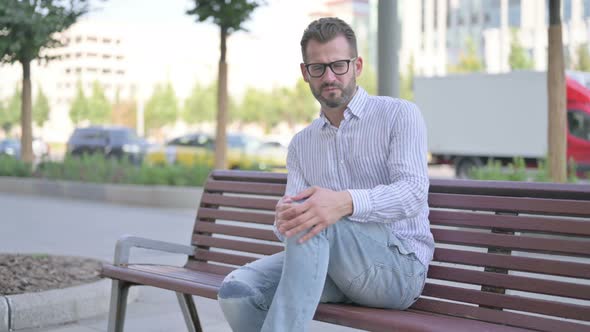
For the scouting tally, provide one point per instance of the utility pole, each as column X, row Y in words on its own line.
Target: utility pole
column 388, row 41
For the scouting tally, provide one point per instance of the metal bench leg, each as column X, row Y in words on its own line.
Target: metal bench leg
column 189, row 311
column 119, row 293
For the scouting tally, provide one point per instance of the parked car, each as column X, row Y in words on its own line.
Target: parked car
column 11, row 147
column 244, row 152
column 109, row 141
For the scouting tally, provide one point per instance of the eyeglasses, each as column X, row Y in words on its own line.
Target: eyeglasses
column 339, row 67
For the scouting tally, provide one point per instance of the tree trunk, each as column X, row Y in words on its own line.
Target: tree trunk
column 556, row 92
column 220, row 136
column 26, row 115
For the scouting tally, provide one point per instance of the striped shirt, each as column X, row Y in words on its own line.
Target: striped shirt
column 379, row 155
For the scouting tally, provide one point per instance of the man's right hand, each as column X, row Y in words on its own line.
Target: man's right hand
column 284, row 204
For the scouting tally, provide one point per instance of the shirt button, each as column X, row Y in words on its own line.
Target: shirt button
column 342, row 161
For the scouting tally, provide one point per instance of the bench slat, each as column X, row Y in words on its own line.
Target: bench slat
column 511, row 189
column 259, row 218
column 516, row 223
column 496, row 316
column 220, row 257
column 524, row 264
column 244, row 188
column 526, row 243
column 521, row 283
column 160, row 281
column 197, row 265
column 249, row 176
column 510, row 204
column 239, row 202
column 520, row 303
column 255, row 248
column 253, row 233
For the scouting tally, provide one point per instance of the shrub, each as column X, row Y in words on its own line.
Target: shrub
column 97, row 169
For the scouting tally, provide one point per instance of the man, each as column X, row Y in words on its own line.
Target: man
column 354, row 219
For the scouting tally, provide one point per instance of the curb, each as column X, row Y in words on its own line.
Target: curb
column 57, row 306
column 153, row 196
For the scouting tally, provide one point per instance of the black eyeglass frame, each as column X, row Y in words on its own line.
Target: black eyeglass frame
column 325, row 65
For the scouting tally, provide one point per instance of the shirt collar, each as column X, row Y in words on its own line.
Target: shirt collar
column 356, row 106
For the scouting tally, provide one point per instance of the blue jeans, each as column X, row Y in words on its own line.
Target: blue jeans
column 348, row 262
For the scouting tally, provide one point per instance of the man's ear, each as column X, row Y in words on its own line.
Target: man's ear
column 304, row 72
column 358, row 65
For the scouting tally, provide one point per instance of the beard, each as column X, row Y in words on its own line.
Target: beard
column 333, row 100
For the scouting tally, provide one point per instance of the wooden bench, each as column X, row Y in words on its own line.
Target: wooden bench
column 510, row 256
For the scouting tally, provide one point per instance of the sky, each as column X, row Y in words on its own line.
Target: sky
column 166, row 44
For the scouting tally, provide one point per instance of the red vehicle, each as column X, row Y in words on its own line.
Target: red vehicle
column 578, row 123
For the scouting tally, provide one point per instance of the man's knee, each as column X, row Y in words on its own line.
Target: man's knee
column 232, row 289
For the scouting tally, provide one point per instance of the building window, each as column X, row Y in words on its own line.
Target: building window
column 423, row 16
column 106, row 71
column 514, row 13
column 106, row 40
column 78, row 39
column 68, row 70
column 91, row 39
column 78, row 55
column 120, row 72
column 567, row 10
column 78, row 70
column 106, row 56
column 91, row 70
column 91, row 55
column 119, row 57
column 435, row 19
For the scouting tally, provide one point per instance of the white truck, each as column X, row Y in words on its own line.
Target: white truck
column 474, row 117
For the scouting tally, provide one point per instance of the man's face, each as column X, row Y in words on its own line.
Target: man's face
column 331, row 90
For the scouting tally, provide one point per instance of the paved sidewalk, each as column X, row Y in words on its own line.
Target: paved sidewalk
column 33, row 224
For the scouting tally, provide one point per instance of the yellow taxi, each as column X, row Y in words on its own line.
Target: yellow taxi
column 243, row 152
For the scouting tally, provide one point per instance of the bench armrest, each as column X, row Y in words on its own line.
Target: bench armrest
column 126, row 242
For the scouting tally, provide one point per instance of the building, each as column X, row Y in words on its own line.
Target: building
column 435, row 32
column 354, row 12
column 90, row 53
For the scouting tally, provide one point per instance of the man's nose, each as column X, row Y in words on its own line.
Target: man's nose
column 329, row 75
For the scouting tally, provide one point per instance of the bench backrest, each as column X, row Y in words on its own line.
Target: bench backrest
column 506, row 252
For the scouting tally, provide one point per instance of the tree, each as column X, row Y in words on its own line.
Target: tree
column 583, row 63
column 99, row 108
column 230, row 16
column 11, row 114
column 200, row 105
column 26, row 27
column 368, row 79
column 303, row 104
column 162, row 107
column 79, row 109
column 469, row 61
column 518, row 58
column 40, row 108
column 124, row 111
column 407, row 82
column 557, row 125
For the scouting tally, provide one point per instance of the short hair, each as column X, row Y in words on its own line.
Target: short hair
column 324, row 30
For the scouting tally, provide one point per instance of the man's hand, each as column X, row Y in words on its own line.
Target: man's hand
column 322, row 208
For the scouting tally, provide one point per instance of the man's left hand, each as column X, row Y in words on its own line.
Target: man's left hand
column 322, row 208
